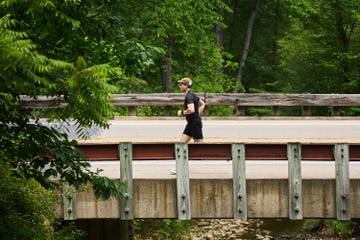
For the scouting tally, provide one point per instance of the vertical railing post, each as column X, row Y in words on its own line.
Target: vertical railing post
column 239, row 180
column 335, row 111
column 305, row 111
column 240, row 110
column 341, row 155
column 295, row 186
column 132, row 110
column 182, row 181
column 126, row 203
column 168, row 111
column 69, row 202
column 275, row 110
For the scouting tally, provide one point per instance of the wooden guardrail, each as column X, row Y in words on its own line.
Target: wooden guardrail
column 239, row 100
column 155, row 198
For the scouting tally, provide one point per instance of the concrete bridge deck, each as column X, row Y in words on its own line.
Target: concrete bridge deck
column 268, row 192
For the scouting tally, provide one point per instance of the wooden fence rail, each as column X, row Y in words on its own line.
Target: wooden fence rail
column 238, row 100
column 343, row 205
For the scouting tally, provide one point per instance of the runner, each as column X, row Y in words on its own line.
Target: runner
column 193, row 107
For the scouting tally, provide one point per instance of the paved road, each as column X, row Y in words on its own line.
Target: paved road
column 294, row 130
column 230, row 130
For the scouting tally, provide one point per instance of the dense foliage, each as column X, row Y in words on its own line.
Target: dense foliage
column 85, row 50
column 162, row 229
column 296, row 46
column 32, row 155
column 27, row 212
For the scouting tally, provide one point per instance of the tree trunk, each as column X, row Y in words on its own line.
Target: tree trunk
column 344, row 41
column 167, row 70
column 220, row 29
column 276, row 31
column 246, row 46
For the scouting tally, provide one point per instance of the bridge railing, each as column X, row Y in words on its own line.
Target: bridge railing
column 344, row 202
column 239, row 100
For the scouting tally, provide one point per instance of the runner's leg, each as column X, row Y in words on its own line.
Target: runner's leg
column 185, row 138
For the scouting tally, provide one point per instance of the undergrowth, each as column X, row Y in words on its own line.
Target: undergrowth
column 162, row 229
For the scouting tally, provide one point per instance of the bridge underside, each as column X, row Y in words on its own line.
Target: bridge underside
column 213, row 198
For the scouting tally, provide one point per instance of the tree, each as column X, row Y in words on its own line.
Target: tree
column 25, row 71
column 30, row 152
column 320, row 51
column 97, row 31
column 259, row 71
column 246, row 46
column 27, row 212
column 185, row 31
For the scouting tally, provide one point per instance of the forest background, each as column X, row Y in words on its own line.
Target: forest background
column 252, row 46
column 86, row 50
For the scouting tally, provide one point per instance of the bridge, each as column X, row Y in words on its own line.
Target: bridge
column 217, row 180
column 291, row 178
column 278, row 173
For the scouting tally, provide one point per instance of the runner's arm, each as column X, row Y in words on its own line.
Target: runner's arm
column 190, row 109
column 201, row 106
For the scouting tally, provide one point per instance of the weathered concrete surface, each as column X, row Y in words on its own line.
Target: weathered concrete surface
column 212, row 198
column 211, row 190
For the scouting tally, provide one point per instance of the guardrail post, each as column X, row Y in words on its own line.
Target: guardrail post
column 306, row 111
column 126, row 203
column 182, row 181
column 341, row 155
column 335, row 111
column 240, row 111
column 239, row 180
column 132, row 110
column 275, row 110
column 168, row 111
column 295, row 186
column 69, row 202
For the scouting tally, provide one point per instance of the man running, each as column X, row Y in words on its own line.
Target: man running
column 193, row 107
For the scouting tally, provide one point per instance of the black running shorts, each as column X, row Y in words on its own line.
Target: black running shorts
column 194, row 129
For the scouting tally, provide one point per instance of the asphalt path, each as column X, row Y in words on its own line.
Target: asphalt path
column 234, row 130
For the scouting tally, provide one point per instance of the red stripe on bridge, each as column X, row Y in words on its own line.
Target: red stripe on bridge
column 215, row 151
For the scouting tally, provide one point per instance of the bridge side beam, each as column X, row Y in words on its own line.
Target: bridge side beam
column 295, row 186
column 341, row 154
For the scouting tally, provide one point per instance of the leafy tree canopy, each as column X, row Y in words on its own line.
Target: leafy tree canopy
column 38, row 57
